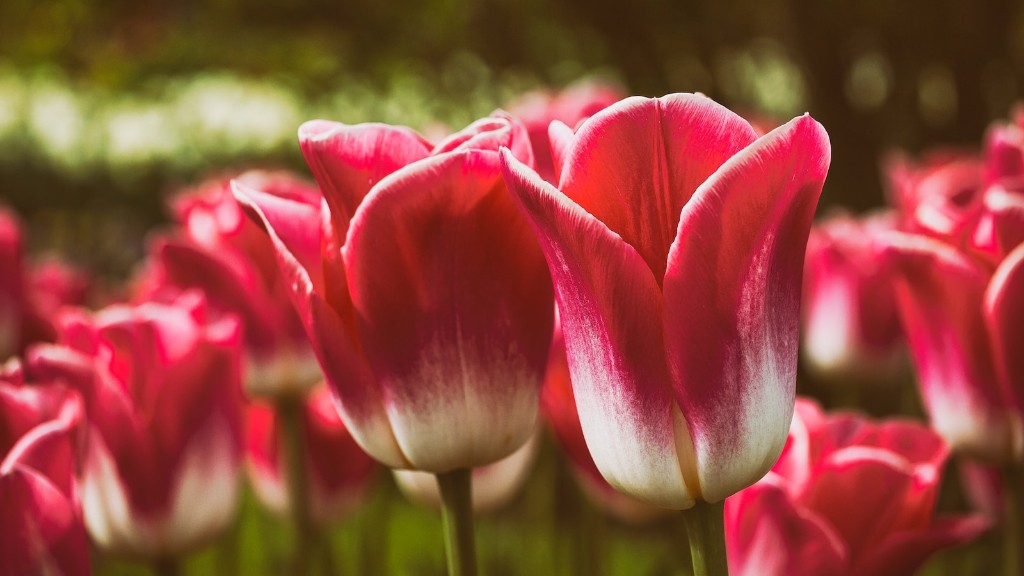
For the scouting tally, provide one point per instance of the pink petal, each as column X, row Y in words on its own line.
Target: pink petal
column 453, row 304
column 1004, row 312
column 348, row 160
column 940, row 291
column 561, row 138
column 333, row 339
column 905, row 552
column 491, row 133
column 636, row 163
column 610, row 305
column 732, row 302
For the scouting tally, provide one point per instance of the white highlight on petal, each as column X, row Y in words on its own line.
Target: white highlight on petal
column 829, row 339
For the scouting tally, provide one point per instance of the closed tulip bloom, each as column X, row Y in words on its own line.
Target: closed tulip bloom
column 676, row 240
column 421, row 287
column 163, row 448
column 850, row 322
column 339, row 472
column 40, row 524
column 220, row 251
column 848, row 496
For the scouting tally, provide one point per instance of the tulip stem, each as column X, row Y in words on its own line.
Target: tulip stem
column 457, row 513
column 705, row 529
column 289, row 413
column 1013, row 521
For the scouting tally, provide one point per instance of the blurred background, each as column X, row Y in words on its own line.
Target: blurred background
column 107, row 106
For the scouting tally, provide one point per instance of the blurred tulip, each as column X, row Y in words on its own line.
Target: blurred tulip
column 850, row 322
column 41, row 528
column 421, row 288
column 339, row 471
column 937, row 196
column 676, row 241
column 494, row 485
column 163, row 448
column 228, row 257
column 12, row 284
column 848, row 496
column 540, row 108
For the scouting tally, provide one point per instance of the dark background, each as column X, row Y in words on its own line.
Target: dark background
column 878, row 74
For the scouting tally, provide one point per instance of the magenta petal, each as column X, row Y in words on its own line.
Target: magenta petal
column 1004, row 312
column 610, row 309
column 905, row 552
column 732, row 302
column 636, row 163
column 560, row 137
column 332, row 339
column 940, row 292
column 347, row 161
column 453, row 303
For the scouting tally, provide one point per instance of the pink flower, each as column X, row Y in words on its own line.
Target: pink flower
column 163, row 448
column 421, row 288
column 676, row 240
column 40, row 523
column 848, row 496
column 12, row 284
column 221, row 252
column 539, row 109
column 849, row 309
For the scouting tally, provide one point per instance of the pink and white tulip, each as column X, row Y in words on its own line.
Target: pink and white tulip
column 40, row 524
column 421, row 287
column 339, row 472
column 161, row 388
column 848, row 496
column 676, row 240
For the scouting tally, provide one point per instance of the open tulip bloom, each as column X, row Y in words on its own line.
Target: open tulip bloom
column 675, row 240
column 422, row 290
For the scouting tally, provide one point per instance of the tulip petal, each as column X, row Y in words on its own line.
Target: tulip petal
column 332, row 340
column 636, row 163
column 732, row 302
column 347, row 161
column 905, row 552
column 940, row 292
column 560, row 137
column 610, row 306
column 453, row 304
column 1004, row 311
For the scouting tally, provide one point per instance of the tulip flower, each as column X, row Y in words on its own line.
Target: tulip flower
column 340, row 473
column 676, row 241
column 494, row 485
column 221, row 252
column 848, row 496
column 40, row 524
column 163, row 450
column 540, row 108
column 11, row 283
column 849, row 315
column 422, row 290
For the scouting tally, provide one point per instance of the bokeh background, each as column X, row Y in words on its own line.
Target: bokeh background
column 106, row 106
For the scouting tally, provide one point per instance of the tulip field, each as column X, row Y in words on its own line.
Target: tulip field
column 321, row 309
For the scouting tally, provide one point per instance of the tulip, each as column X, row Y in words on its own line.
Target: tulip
column 847, row 496
column 40, row 522
column 340, row 473
column 221, row 252
column 163, row 450
column 494, row 485
column 681, row 330
column 422, row 290
column 575, row 103
column 849, row 315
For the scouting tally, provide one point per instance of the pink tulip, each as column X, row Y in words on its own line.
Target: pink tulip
column 163, row 449
column 676, row 240
column 228, row 257
column 12, row 284
column 339, row 472
column 568, row 107
column 849, row 315
column 421, row 288
column 40, row 527
column 847, row 496
column 937, row 196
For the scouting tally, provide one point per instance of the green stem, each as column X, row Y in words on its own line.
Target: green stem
column 705, row 528
column 166, row 566
column 1013, row 520
column 289, row 414
column 457, row 512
